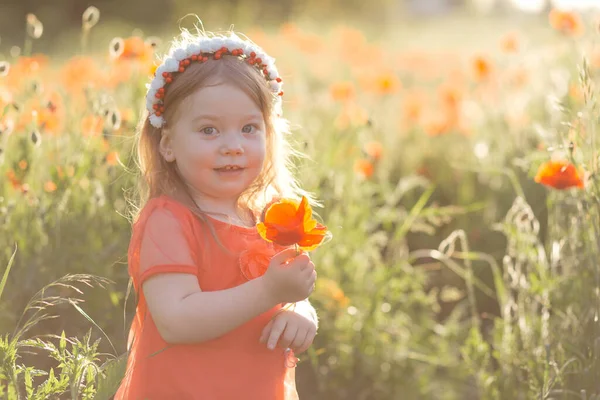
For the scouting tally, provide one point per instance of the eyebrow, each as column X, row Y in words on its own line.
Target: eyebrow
column 211, row 117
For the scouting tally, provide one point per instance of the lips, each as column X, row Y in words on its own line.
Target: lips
column 229, row 168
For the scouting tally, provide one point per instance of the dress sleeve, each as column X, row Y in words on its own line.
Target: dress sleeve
column 161, row 243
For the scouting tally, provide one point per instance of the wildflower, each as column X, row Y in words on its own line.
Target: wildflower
column 287, row 222
column 352, row 114
column 112, row 158
column 342, row 91
column 364, row 168
column 92, row 125
column 510, row 43
column 23, row 164
column 329, row 289
column 567, row 22
column 413, row 107
column 4, row 68
column 49, row 186
column 90, row 17
column 386, row 83
column 12, row 178
column 131, row 48
column 80, row 72
column 482, row 68
column 559, row 175
column 35, row 29
column 374, row 150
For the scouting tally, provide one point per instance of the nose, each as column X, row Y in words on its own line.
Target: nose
column 232, row 149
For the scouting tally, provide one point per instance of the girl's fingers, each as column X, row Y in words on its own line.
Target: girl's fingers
column 289, row 336
column 266, row 331
column 276, row 332
column 307, row 342
column 299, row 340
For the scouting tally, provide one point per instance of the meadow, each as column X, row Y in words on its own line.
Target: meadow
column 459, row 179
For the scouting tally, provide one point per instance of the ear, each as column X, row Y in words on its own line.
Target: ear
column 166, row 148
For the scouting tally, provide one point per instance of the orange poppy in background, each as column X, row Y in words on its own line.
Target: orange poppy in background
column 12, row 177
column 374, row 150
column 559, row 175
column 287, row 222
column 386, row 83
column 132, row 48
column 112, row 158
column 49, row 186
column 364, row 168
column 413, row 107
column 80, row 72
column 92, row 125
column 567, row 22
column 482, row 68
column 24, row 68
column 130, row 55
column 510, row 43
column 6, row 98
column 342, row 91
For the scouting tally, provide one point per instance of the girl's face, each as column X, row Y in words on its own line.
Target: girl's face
column 218, row 142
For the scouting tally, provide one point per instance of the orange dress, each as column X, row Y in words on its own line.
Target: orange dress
column 233, row 366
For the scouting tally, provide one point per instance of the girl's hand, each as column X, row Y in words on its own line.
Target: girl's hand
column 290, row 277
column 288, row 329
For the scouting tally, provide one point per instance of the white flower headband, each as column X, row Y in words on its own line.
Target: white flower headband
column 198, row 52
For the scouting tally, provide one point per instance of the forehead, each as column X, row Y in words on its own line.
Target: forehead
column 219, row 97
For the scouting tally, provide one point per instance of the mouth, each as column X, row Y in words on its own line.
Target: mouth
column 229, row 168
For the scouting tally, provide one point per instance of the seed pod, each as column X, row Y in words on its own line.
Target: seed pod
column 116, row 47
column 35, row 29
column 153, row 41
column 4, row 68
column 112, row 119
column 90, row 17
column 36, row 138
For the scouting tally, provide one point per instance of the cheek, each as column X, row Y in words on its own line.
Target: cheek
column 259, row 150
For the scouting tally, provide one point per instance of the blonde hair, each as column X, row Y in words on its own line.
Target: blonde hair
column 158, row 177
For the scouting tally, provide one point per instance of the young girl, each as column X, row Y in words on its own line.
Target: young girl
column 209, row 324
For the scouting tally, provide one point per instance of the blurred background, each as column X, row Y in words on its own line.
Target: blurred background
column 62, row 17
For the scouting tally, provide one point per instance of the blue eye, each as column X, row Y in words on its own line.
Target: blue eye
column 209, row 130
column 249, row 128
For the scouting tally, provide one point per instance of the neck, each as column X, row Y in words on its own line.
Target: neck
column 226, row 209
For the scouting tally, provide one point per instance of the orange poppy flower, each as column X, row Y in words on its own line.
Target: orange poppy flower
column 386, row 83
column 287, row 222
column 92, row 125
column 374, row 150
column 112, row 158
column 133, row 47
column 364, row 168
column 510, row 43
column 12, row 177
column 80, row 72
column 482, row 68
column 49, row 186
column 566, row 22
column 413, row 107
column 559, row 175
column 342, row 91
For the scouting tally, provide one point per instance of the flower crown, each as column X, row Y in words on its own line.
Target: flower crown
column 214, row 46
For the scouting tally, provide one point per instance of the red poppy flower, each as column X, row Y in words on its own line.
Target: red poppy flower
column 287, row 222
column 559, row 175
